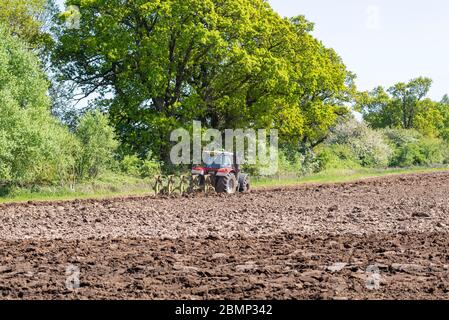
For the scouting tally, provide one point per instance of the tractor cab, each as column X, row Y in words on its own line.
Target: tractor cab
column 220, row 171
column 218, row 160
column 215, row 163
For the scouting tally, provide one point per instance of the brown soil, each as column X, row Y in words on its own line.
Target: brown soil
column 378, row 238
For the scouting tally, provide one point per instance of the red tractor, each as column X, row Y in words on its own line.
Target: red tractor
column 221, row 172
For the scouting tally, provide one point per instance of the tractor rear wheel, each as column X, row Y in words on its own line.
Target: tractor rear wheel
column 244, row 184
column 227, row 184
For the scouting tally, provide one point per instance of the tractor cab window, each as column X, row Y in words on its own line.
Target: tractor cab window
column 217, row 161
column 227, row 162
column 212, row 161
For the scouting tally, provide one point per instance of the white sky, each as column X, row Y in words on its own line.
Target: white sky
column 382, row 41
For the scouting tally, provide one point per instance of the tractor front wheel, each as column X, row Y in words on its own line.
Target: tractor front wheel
column 227, row 184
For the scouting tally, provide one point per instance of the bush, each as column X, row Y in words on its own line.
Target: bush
column 290, row 164
column 131, row 165
column 134, row 166
column 98, row 144
column 337, row 157
column 407, row 156
column 34, row 147
column 413, row 149
column 354, row 142
column 370, row 149
column 150, row 168
column 400, row 137
column 424, row 152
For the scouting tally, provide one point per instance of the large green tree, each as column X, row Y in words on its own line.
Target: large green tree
column 407, row 98
column 405, row 106
column 34, row 148
column 158, row 64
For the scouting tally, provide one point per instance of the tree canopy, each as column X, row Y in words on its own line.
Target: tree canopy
column 28, row 19
column 156, row 65
column 33, row 145
column 406, row 106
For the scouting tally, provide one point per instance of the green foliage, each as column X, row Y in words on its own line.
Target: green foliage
column 443, row 126
column 352, row 141
column 412, row 148
column 406, row 98
column 404, row 106
column 337, row 156
column 399, row 137
column 289, row 164
column 21, row 78
column 27, row 19
column 131, row 165
column 424, row 152
column 377, row 109
column 430, row 119
column 134, row 166
column 34, row 148
column 98, row 144
column 230, row 64
column 150, row 168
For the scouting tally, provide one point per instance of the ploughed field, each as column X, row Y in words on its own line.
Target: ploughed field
column 385, row 238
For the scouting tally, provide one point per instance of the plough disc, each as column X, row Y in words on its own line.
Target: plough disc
column 207, row 186
column 201, row 184
column 183, row 184
column 169, row 185
column 158, row 184
column 194, row 184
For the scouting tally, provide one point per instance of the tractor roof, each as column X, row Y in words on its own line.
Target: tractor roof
column 219, row 152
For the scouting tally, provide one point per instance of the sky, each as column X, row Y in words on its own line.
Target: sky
column 382, row 41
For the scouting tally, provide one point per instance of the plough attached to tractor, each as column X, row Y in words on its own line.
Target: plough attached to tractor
column 219, row 173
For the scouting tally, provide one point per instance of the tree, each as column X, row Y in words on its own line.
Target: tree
column 406, row 98
column 29, row 20
column 429, row 118
column 321, row 87
column 377, row 109
column 157, row 65
column 21, row 74
column 34, row 148
column 397, row 107
column 32, row 21
column 97, row 144
column 404, row 106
